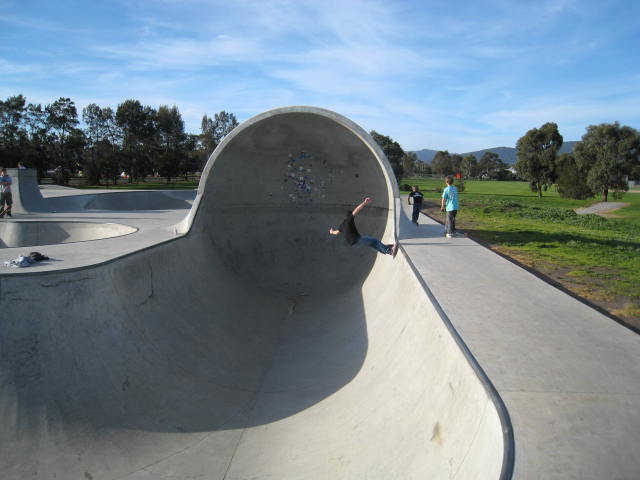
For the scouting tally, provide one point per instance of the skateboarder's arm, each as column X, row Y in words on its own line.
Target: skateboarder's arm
column 361, row 206
column 333, row 231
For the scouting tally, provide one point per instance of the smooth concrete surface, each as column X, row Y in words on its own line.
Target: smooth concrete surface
column 26, row 192
column 247, row 343
column 67, row 206
column 569, row 376
column 31, row 233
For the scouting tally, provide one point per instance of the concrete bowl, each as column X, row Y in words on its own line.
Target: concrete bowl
column 18, row 233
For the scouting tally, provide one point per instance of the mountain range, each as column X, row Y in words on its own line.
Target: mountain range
column 506, row 154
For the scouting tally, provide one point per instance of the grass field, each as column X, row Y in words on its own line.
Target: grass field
column 595, row 258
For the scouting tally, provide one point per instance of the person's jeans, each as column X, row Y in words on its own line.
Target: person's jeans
column 374, row 243
column 451, row 221
column 416, row 213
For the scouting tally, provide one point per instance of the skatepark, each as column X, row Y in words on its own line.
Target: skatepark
column 224, row 334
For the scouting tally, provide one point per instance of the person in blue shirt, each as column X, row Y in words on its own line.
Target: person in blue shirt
column 450, row 202
column 415, row 199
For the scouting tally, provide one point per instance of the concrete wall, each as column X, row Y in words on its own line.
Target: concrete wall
column 257, row 346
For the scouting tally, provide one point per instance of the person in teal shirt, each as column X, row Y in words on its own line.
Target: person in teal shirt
column 450, row 202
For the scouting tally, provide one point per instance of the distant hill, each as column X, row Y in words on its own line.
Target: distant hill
column 506, row 154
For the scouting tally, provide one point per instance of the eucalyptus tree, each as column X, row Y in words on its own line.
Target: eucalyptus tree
column 441, row 163
column 456, row 163
column 13, row 135
column 139, row 137
column 213, row 130
column 609, row 154
column 572, row 180
column 537, row 151
column 68, row 140
column 490, row 165
column 393, row 152
column 171, row 160
column 469, row 166
column 40, row 152
column 409, row 163
column 103, row 138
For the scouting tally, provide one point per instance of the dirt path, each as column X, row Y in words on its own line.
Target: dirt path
column 602, row 208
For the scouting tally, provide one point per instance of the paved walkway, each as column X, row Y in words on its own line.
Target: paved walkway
column 569, row 376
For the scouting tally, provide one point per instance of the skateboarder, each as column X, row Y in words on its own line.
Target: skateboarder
column 5, row 194
column 353, row 237
column 415, row 199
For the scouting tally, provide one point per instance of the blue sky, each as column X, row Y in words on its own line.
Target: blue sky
column 459, row 76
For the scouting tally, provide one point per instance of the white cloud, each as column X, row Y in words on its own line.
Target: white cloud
column 430, row 75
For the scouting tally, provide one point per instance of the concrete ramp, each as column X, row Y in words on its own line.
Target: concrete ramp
column 256, row 346
column 26, row 192
column 28, row 198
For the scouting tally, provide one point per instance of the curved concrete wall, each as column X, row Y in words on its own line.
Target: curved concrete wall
column 187, row 359
column 273, row 188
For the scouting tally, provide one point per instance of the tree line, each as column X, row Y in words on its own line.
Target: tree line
column 135, row 139
column 604, row 161
column 406, row 164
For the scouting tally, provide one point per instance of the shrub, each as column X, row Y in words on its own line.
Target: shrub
column 60, row 176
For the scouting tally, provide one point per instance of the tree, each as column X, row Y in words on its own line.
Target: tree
column 572, row 180
column 13, row 136
column 40, row 152
column 490, row 165
column 393, row 152
column 170, row 161
column 537, row 156
column 215, row 129
column 456, row 163
column 441, row 163
column 62, row 119
column 409, row 162
column 469, row 166
column 609, row 153
column 193, row 160
column 139, row 142
column 423, row 167
column 102, row 141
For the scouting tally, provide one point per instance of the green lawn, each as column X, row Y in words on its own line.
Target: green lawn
column 595, row 257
